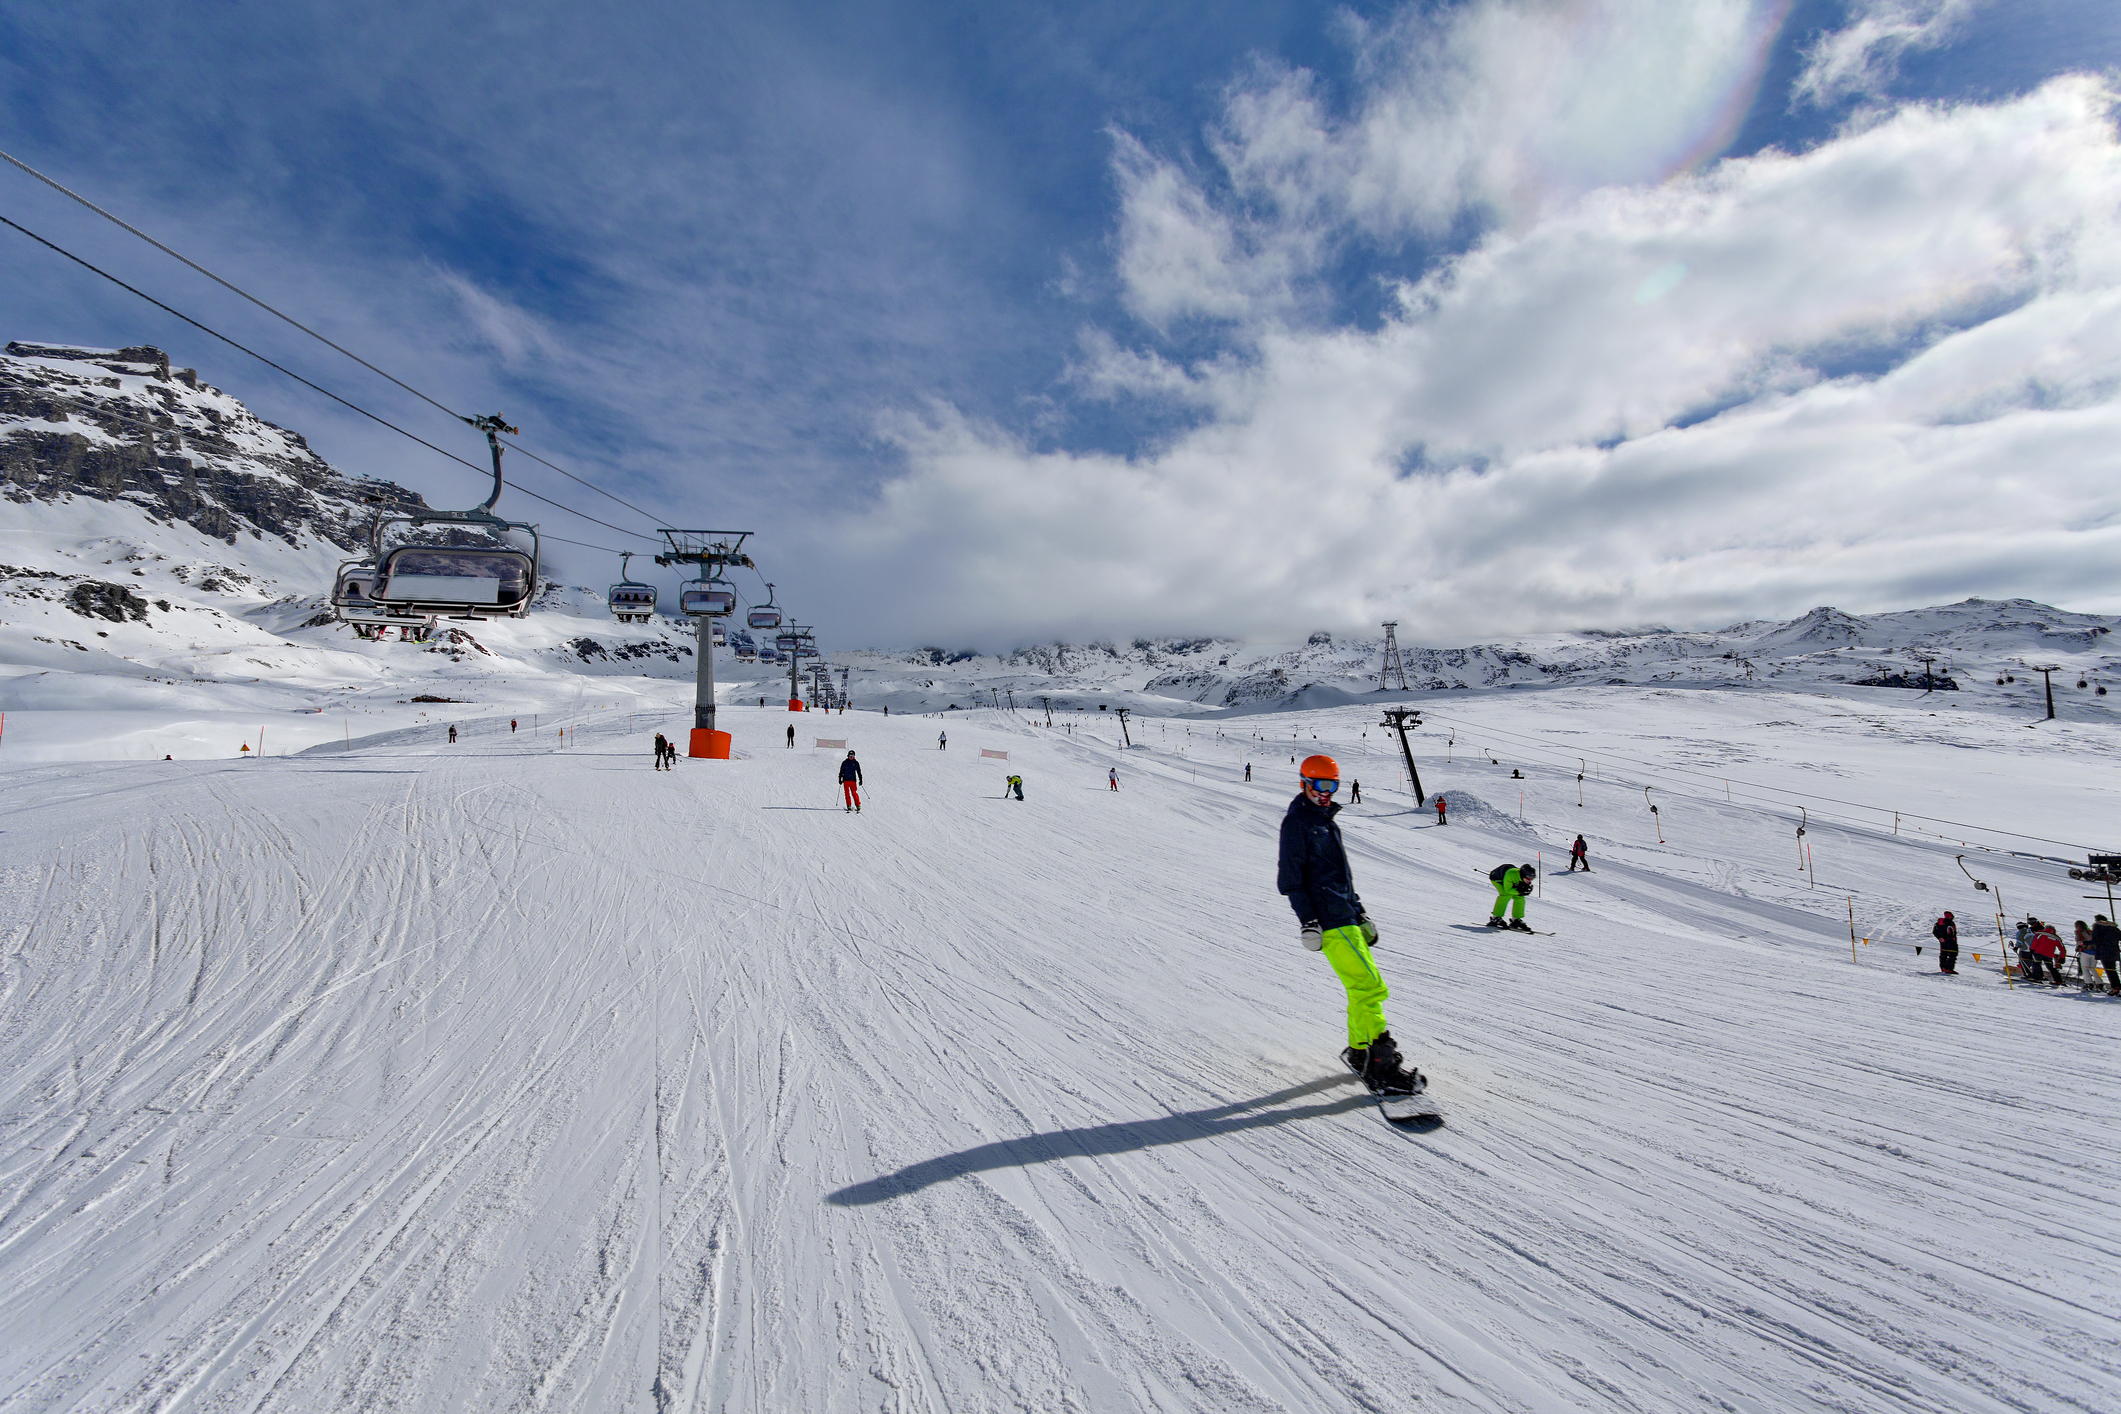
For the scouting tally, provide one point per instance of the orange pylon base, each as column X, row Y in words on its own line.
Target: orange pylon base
column 714, row 746
column 795, row 704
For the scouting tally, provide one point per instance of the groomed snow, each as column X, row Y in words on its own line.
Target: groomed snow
column 513, row 1075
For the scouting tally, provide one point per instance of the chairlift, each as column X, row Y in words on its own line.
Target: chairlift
column 713, row 598
column 631, row 601
column 788, row 642
column 769, row 655
column 766, row 615
column 719, row 637
column 460, row 581
column 353, row 602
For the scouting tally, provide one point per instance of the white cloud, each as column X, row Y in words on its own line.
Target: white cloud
column 1860, row 58
column 1506, row 110
column 1504, row 452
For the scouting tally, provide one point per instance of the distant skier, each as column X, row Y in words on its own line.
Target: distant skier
column 1515, row 774
column 1580, row 854
column 1016, row 784
column 1513, row 884
column 1355, row 792
column 1313, row 875
column 942, row 741
column 1946, row 932
column 511, row 724
column 1248, row 772
column 851, row 782
column 1439, row 812
column 662, row 744
column 791, row 736
column 1113, row 777
column 452, row 736
column 2106, row 946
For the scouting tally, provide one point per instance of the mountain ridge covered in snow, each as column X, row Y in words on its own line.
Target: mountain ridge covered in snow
column 161, row 547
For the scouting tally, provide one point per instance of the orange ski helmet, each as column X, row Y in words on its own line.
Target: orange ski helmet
column 1319, row 768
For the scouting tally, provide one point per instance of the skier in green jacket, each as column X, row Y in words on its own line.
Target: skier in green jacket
column 1513, row 884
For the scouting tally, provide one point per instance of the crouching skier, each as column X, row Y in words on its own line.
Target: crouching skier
column 1513, row 884
column 1314, row 876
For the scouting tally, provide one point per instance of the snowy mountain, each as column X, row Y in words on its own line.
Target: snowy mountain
column 163, row 550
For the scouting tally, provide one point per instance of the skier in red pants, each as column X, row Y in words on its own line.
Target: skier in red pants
column 851, row 783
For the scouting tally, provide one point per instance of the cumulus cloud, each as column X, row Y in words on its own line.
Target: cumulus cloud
column 1859, row 59
column 1881, row 371
column 1502, row 110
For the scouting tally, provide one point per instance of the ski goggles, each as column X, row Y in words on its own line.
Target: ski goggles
column 1321, row 784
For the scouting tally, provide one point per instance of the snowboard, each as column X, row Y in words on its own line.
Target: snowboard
column 1413, row 1111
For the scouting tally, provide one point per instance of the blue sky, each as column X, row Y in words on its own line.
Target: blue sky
column 1000, row 323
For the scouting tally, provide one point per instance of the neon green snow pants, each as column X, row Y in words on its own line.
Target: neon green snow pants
column 1350, row 956
column 1507, row 897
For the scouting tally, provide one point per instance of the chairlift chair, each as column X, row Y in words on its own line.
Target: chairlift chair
column 766, row 615
column 788, row 642
column 631, row 601
column 709, row 598
column 353, row 602
column 459, row 581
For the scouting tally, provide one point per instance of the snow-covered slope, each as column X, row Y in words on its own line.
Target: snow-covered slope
column 514, row 1075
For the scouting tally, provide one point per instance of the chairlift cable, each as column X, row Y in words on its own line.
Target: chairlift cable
column 237, row 289
column 356, row 407
column 283, row 316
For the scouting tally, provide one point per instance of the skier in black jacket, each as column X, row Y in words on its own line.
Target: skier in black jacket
column 851, row 784
column 1315, row 878
column 1947, row 935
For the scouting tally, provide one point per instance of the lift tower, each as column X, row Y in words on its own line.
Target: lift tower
column 1393, row 667
column 1399, row 719
column 712, row 551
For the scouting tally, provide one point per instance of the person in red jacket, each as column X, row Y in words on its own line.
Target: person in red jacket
column 851, row 783
column 1439, row 811
column 2048, row 951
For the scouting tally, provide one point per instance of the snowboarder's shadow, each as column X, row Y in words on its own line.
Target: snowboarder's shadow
column 1095, row 1141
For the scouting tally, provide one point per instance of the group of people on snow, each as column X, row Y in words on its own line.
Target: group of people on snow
column 666, row 753
column 2041, row 951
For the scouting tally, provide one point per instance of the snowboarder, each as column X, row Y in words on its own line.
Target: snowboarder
column 1113, row 777
column 2106, row 946
column 1355, row 792
column 1016, row 784
column 791, row 736
column 1515, row 774
column 1513, row 884
column 1439, row 812
column 1314, row 877
column 1579, row 853
column 850, row 783
column 1946, row 932
column 452, row 736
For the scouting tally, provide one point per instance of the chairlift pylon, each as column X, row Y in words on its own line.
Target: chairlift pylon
column 630, row 600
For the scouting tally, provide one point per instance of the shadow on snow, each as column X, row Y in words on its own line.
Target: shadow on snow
column 1126, row 1136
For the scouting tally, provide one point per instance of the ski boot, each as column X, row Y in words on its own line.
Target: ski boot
column 1385, row 1072
column 1519, row 925
column 1497, row 923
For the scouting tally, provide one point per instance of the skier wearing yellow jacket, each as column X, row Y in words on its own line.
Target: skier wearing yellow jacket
column 1315, row 878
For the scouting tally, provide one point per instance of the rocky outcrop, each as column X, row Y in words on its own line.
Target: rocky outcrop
column 120, row 425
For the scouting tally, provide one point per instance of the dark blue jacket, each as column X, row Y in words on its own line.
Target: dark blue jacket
column 1314, row 868
column 851, row 770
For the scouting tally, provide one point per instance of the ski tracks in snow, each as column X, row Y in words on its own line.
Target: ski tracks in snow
column 462, row 1080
